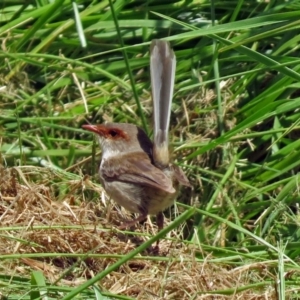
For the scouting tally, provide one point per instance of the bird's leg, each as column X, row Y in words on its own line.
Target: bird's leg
column 160, row 221
column 140, row 218
column 160, row 225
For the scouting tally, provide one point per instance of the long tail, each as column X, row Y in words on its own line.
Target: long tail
column 162, row 68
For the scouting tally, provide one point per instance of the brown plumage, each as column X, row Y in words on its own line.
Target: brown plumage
column 135, row 172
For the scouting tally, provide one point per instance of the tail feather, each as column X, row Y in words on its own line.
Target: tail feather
column 162, row 68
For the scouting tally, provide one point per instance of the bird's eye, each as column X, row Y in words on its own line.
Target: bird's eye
column 113, row 133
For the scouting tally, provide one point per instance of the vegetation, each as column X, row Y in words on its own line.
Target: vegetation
column 234, row 129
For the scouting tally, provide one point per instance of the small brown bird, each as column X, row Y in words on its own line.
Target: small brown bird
column 135, row 172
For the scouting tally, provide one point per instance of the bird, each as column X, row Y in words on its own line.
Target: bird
column 134, row 171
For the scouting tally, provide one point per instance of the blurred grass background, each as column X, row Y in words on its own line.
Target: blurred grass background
column 235, row 115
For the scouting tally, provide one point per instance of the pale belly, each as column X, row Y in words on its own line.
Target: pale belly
column 138, row 199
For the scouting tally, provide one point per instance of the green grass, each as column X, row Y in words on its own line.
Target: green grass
column 234, row 124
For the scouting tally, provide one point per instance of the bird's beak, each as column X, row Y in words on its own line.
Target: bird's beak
column 94, row 128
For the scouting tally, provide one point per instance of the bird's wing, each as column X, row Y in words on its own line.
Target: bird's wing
column 136, row 168
column 180, row 176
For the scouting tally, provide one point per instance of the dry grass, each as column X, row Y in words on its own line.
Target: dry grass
column 54, row 235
